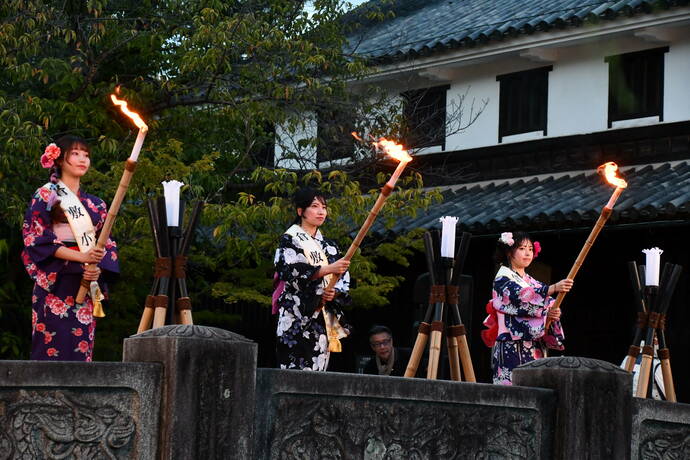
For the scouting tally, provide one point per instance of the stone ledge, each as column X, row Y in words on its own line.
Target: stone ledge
column 189, row 331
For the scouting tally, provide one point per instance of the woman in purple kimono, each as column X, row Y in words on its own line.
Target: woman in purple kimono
column 64, row 330
column 519, row 308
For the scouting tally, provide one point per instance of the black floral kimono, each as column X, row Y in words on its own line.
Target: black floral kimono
column 302, row 339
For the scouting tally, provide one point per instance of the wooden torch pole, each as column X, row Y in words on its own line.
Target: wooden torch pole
column 603, row 217
column 130, row 166
column 126, row 178
column 380, row 201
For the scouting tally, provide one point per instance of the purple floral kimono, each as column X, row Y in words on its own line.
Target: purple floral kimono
column 62, row 329
column 521, row 306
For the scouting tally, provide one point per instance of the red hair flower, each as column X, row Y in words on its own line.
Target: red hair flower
column 537, row 248
column 51, row 153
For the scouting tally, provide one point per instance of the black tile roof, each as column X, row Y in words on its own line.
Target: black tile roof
column 422, row 27
column 656, row 192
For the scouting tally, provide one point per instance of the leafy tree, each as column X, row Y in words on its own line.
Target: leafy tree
column 212, row 78
column 249, row 229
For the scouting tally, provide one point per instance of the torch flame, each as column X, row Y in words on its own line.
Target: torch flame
column 609, row 170
column 393, row 150
column 133, row 115
column 354, row 134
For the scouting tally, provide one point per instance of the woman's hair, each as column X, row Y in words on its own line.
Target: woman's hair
column 66, row 144
column 504, row 250
column 303, row 198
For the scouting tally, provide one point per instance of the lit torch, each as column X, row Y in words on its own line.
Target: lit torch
column 397, row 152
column 130, row 166
column 609, row 171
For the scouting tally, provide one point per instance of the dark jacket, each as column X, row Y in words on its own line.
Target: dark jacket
column 402, row 357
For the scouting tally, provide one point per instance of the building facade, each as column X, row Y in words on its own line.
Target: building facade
column 513, row 105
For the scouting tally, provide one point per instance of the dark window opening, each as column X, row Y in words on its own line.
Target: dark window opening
column 636, row 85
column 263, row 150
column 334, row 138
column 425, row 117
column 523, row 102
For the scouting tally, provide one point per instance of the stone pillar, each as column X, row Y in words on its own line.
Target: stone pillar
column 594, row 412
column 208, row 390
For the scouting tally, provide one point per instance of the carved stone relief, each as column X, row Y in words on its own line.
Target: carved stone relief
column 372, row 429
column 46, row 424
column 664, row 440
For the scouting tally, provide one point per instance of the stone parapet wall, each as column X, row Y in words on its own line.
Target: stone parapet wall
column 303, row 414
column 660, row 430
column 193, row 392
column 79, row 410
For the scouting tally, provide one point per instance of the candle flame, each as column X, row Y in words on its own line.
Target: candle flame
column 393, row 150
column 133, row 115
column 609, row 170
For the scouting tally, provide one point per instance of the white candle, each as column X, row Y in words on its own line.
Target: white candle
column 448, row 236
column 171, row 190
column 138, row 143
column 653, row 261
column 614, row 196
column 396, row 174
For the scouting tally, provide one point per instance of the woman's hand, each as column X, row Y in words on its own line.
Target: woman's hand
column 91, row 272
column 338, row 267
column 93, row 255
column 563, row 285
column 554, row 314
column 328, row 295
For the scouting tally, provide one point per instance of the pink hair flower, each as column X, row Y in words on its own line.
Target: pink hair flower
column 50, row 154
column 507, row 238
column 537, row 248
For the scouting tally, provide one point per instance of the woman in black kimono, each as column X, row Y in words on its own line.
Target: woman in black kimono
column 304, row 261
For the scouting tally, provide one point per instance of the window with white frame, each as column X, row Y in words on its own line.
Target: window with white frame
column 334, row 135
column 424, row 112
column 636, row 85
column 523, row 102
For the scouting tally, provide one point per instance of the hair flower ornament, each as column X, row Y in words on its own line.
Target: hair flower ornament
column 50, row 154
column 507, row 238
column 537, row 248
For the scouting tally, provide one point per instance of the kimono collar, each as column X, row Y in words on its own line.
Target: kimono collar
column 512, row 275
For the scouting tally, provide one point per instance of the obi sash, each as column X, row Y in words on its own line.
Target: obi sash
column 80, row 222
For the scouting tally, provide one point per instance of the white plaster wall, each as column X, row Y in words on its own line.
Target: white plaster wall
column 485, row 127
column 577, row 93
column 677, row 82
column 287, row 144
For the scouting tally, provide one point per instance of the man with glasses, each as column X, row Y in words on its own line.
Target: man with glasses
column 388, row 360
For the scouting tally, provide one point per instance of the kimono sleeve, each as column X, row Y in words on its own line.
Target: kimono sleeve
column 342, row 287
column 40, row 243
column 512, row 299
column 110, row 261
column 292, row 264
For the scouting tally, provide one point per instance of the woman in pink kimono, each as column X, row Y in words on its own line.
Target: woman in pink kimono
column 519, row 308
column 64, row 330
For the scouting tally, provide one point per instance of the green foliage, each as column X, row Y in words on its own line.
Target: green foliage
column 248, row 230
column 211, row 78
